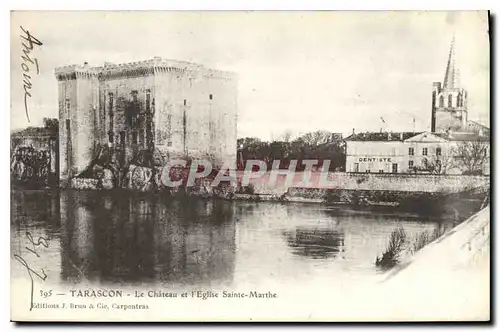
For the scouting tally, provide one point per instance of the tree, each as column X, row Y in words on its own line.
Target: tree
column 471, row 156
column 51, row 124
column 433, row 166
column 319, row 145
column 316, row 138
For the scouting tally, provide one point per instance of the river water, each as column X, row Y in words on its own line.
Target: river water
column 128, row 238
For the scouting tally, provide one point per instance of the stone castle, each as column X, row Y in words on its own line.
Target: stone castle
column 181, row 109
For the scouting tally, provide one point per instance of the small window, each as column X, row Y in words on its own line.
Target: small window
column 424, row 152
column 111, row 104
column 111, row 137
column 68, row 108
column 410, row 164
column 134, row 137
column 210, row 97
column 356, row 167
column 367, row 171
column 411, row 151
column 141, row 136
column 122, row 137
column 441, row 101
column 394, row 168
column 184, row 102
column 438, row 151
column 381, row 171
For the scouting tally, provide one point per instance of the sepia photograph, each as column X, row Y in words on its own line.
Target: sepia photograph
column 250, row 166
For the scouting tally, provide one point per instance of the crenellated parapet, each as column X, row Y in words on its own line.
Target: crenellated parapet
column 72, row 72
column 154, row 66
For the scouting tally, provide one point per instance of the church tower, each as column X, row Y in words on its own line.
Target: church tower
column 449, row 100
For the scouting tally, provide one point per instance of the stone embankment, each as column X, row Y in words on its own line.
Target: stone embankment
column 447, row 279
column 339, row 188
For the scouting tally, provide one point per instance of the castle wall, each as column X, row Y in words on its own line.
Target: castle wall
column 182, row 109
column 224, row 107
column 129, row 98
column 196, row 116
column 176, row 112
column 67, row 120
column 86, row 117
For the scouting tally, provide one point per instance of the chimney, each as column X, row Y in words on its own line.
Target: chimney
column 401, row 136
column 353, row 132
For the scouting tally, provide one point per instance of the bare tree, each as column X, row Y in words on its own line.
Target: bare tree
column 286, row 136
column 316, row 138
column 471, row 156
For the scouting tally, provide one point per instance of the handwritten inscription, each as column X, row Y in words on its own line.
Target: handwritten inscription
column 34, row 245
column 28, row 44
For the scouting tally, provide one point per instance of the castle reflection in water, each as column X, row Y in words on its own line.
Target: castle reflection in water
column 133, row 238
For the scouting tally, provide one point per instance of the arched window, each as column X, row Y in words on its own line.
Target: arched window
column 450, row 100
column 441, row 101
column 459, row 100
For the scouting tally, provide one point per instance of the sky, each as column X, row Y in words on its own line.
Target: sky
column 298, row 71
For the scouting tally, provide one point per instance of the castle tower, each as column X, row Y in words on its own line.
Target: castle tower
column 78, row 107
column 449, row 100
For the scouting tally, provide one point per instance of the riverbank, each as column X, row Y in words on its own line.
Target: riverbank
column 456, row 266
column 355, row 189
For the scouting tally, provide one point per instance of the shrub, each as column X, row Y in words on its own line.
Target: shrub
column 424, row 238
column 397, row 244
column 421, row 240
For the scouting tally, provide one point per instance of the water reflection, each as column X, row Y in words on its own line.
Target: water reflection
column 315, row 242
column 133, row 238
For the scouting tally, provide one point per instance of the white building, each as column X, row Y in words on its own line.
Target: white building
column 424, row 152
column 455, row 145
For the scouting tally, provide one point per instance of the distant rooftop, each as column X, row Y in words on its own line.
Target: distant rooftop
column 382, row 136
column 463, row 136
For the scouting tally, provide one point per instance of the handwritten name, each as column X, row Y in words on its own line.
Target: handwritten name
column 35, row 245
column 28, row 44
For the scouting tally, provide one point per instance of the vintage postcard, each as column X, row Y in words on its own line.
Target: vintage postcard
column 250, row 166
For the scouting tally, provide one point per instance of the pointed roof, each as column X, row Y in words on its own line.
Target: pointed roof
column 451, row 75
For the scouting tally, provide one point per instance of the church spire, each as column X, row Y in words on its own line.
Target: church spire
column 451, row 75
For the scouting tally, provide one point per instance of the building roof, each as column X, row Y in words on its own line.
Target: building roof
column 463, row 136
column 477, row 124
column 403, row 136
column 381, row 137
